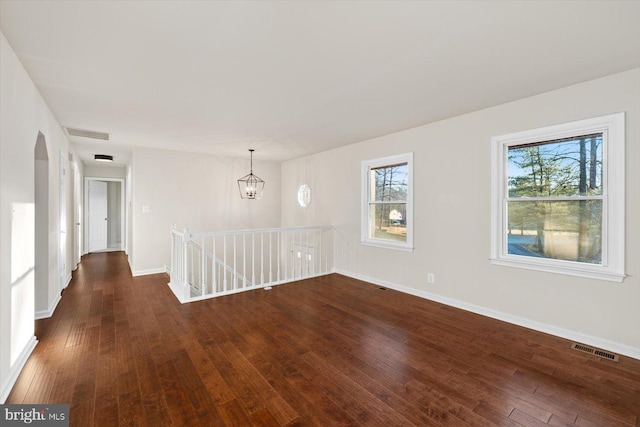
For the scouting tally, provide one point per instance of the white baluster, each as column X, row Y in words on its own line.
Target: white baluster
column 300, row 247
column 262, row 258
column 204, row 267
column 270, row 260
column 185, row 249
column 320, row 246
column 286, row 254
column 224, row 263
column 213, row 267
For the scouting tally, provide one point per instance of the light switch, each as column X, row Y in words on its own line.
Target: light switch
column 146, row 209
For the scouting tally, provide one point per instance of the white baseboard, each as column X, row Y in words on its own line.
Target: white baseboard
column 135, row 273
column 17, row 368
column 604, row 344
column 44, row 314
column 67, row 280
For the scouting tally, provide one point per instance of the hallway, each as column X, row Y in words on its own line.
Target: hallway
column 326, row 351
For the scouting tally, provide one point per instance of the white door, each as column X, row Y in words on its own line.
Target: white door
column 97, row 215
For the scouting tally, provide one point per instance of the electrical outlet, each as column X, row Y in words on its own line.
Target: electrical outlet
column 431, row 278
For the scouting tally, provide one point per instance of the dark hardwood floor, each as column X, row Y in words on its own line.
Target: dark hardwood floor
column 327, row 351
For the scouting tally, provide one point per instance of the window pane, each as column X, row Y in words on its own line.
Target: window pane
column 570, row 231
column 560, row 168
column 389, row 183
column 388, row 221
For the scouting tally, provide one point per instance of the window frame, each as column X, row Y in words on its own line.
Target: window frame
column 612, row 128
column 366, row 167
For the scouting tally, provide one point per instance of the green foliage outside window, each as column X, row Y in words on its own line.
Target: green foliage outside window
column 555, row 193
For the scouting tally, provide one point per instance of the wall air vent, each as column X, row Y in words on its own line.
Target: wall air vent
column 594, row 351
column 83, row 133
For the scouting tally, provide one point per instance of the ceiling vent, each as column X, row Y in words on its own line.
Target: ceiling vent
column 83, row 133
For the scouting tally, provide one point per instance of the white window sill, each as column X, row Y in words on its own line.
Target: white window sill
column 561, row 267
column 387, row 245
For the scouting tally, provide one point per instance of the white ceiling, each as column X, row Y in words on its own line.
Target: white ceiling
column 294, row 78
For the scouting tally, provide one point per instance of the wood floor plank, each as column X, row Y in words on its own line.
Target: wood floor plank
column 328, row 351
column 180, row 409
column 376, row 410
column 233, row 414
column 303, row 395
column 263, row 418
column 264, row 395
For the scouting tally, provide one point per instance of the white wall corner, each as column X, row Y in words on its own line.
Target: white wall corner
column 604, row 344
column 15, row 370
column 45, row 314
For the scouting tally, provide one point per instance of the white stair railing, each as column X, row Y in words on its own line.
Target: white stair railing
column 207, row 265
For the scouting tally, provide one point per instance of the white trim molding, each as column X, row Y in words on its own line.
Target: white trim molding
column 611, row 267
column 136, row 273
column 626, row 350
column 17, row 367
column 45, row 314
column 124, row 212
column 365, row 192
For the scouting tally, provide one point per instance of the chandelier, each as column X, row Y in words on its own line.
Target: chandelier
column 251, row 186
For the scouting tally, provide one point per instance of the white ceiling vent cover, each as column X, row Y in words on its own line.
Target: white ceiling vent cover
column 83, row 133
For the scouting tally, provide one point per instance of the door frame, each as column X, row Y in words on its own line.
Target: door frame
column 77, row 215
column 62, row 223
column 123, row 211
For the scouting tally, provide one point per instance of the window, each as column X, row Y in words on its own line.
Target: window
column 304, row 195
column 387, row 207
column 558, row 198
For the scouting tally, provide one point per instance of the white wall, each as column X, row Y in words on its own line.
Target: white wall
column 99, row 171
column 23, row 113
column 196, row 191
column 452, row 166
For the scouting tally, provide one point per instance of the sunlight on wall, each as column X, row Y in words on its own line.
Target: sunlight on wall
column 22, row 276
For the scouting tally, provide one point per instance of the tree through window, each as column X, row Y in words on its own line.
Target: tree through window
column 387, row 201
column 555, row 197
column 558, row 198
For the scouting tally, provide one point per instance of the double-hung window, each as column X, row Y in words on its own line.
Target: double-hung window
column 387, row 202
column 558, row 198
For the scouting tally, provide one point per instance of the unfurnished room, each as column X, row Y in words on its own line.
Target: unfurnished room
column 319, row 213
